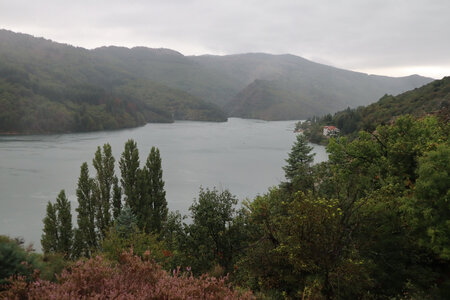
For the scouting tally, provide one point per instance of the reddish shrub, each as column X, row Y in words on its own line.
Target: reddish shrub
column 131, row 278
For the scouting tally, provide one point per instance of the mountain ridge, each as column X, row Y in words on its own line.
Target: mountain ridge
column 169, row 84
column 41, row 80
column 430, row 99
column 219, row 79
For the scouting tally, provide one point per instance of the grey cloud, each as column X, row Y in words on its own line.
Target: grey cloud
column 352, row 34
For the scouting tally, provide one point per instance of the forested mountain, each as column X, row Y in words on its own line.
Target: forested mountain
column 52, row 87
column 300, row 86
column 257, row 85
column 287, row 99
column 432, row 98
column 264, row 99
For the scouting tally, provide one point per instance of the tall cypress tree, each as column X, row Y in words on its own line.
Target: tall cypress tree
column 129, row 166
column 104, row 165
column 65, row 232
column 157, row 194
column 49, row 240
column 86, row 238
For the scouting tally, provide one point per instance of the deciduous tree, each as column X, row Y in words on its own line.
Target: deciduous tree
column 104, row 165
column 87, row 239
column 129, row 166
column 117, row 198
column 65, row 232
column 153, row 193
column 209, row 240
column 49, row 240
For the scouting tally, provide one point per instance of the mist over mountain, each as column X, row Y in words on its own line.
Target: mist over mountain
column 432, row 98
column 304, row 88
column 293, row 86
column 52, row 87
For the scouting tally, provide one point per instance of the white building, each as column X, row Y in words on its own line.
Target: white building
column 330, row 130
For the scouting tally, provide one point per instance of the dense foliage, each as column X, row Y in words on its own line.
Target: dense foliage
column 100, row 210
column 258, row 85
column 18, row 260
column 15, row 259
column 50, row 87
column 433, row 98
column 131, row 278
column 370, row 223
column 27, row 107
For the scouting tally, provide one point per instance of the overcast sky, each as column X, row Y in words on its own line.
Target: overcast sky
column 387, row 37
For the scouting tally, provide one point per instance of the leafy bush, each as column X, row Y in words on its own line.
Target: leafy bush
column 16, row 261
column 141, row 243
column 131, row 278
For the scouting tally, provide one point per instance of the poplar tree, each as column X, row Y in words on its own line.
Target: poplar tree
column 49, row 240
column 157, row 195
column 65, row 232
column 104, row 165
column 117, row 198
column 86, row 236
column 143, row 211
column 79, row 247
column 129, row 166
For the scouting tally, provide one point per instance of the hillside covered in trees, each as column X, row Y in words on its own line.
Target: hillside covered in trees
column 51, row 87
column 258, row 85
column 433, row 98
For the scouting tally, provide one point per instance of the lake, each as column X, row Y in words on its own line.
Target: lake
column 244, row 156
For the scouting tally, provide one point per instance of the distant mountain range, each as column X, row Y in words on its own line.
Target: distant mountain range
column 257, row 85
column 52, row 87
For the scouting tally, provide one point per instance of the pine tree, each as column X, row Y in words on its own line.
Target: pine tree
column 49, row 240
column 129, row 166
column 298, row 168
column 126, row 222
column 104, row 165
column 65, row 232
column 87, row 236
column 157, row 194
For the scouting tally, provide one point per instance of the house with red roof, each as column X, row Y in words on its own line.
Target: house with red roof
column 330, row 130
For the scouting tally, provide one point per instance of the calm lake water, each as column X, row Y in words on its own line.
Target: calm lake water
column 244, row 156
